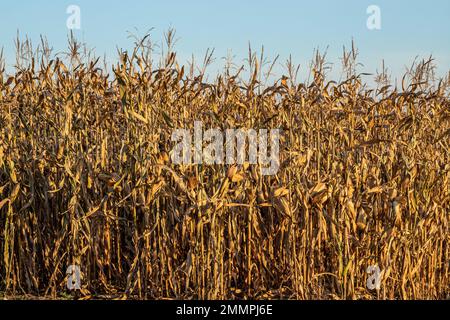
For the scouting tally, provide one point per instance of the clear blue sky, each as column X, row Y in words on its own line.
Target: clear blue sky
column 409, row 28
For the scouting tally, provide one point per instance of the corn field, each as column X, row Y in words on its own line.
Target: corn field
column 86, row 179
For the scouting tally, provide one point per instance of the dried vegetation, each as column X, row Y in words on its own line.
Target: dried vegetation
column 86, row 179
